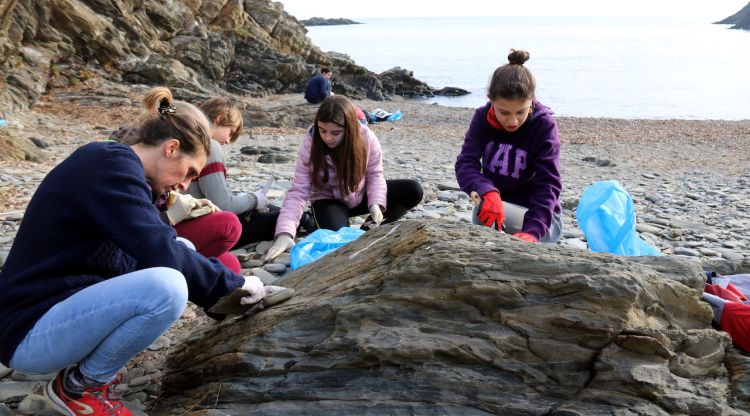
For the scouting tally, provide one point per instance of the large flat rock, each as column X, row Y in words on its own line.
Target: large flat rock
column 428, row 317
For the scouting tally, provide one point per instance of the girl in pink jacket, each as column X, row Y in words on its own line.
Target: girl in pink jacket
column 340, row 171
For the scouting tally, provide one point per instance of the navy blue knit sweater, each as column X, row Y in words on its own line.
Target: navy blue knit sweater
column 93, row 218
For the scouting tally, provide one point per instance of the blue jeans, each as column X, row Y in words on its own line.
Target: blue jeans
column 104, row 325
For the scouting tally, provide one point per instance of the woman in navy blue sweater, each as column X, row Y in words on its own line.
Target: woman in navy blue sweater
column 94, row 275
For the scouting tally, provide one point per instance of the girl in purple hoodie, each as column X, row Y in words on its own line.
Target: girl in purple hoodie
column 340, row 170
column 511, row 158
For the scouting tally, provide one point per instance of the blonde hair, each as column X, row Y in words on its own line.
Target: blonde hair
column 223, row 112
column 170, row 119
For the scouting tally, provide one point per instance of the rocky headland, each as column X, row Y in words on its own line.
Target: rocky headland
column 740, row 20
column 321, row 21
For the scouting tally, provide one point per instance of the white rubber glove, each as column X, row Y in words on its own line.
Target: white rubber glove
column 262, row 201
column 376, row 215
column 254, row 286
column 179, row 206
column 282, row 243
column 207, row 203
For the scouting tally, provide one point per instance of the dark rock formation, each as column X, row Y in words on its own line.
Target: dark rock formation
column 427, row 317
column 321, row 21
column 740, row 20
column 250, row 47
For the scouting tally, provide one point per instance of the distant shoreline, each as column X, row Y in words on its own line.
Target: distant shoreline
column 320, row 21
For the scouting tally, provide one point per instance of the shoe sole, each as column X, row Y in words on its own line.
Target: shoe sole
column 56, row 402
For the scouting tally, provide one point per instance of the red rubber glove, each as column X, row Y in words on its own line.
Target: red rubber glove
column 526, row 237
column 491, row 211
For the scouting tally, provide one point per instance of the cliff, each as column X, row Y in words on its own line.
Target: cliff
column 246, row 47
column 740, row 20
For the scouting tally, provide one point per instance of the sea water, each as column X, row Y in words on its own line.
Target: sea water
column 634, row 67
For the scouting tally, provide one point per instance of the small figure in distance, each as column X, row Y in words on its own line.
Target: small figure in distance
column 511, row 158
column 319, row 86
column 340, row 170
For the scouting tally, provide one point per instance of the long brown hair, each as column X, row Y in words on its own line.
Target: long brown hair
column 171, row 119
column 513, row 80
column 350, row 157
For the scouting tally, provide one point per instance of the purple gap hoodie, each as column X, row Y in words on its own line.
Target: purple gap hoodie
column 524, row 165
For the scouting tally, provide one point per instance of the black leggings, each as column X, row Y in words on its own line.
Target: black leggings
column 261, row 226
column 403, row 195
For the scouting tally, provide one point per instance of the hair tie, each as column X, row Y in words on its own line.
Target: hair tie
column 165, row 108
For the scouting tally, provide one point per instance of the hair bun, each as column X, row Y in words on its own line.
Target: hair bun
column 518, row 57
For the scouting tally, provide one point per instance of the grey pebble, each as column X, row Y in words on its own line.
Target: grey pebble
column 33, row 404
column 19, row 376
column 275, row 267
column 161, row 343
column 263, row 246
column 684, row 251
column 283, row 258
column 265, row 277
column 5, row 410
column 4, row 371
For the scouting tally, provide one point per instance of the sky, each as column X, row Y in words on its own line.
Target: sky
column 352, row 9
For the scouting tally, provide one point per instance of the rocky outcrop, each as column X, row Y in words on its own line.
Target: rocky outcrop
column 740, row 20
column 321, row 21
column 426, row 317
column 250, row 47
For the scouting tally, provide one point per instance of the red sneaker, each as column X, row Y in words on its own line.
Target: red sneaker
column 91, row 402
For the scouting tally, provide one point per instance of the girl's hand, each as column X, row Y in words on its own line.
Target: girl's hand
column 282, row 243
column 526, row 237
column 376, row 215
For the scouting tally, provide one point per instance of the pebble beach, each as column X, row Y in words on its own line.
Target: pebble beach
column 689, row 180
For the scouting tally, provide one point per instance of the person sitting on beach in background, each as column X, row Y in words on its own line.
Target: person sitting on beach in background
column 214, row 233
column 94, row 276
column 340, row 170
column 511, row 157
column 256, row 216
column 319, row 86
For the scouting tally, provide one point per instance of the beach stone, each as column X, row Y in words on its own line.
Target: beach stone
column 275, row 267
column 5, row 410
column 709, row 252
column 15, row 391
column 684, row 251
column 134, row 373
column 729, row 254
column 139, row 381
column 284, row 258
column 19, row 376
column 161, row 343
column 572, row 233
column 4, row 371
column 262, row 274
column 575, row 242
column 253, row 263
column 645, row 228
column 33, row 404
column 263, row 246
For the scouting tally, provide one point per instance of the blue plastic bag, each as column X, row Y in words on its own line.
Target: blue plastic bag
column 320, row 243
column 606, row 215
